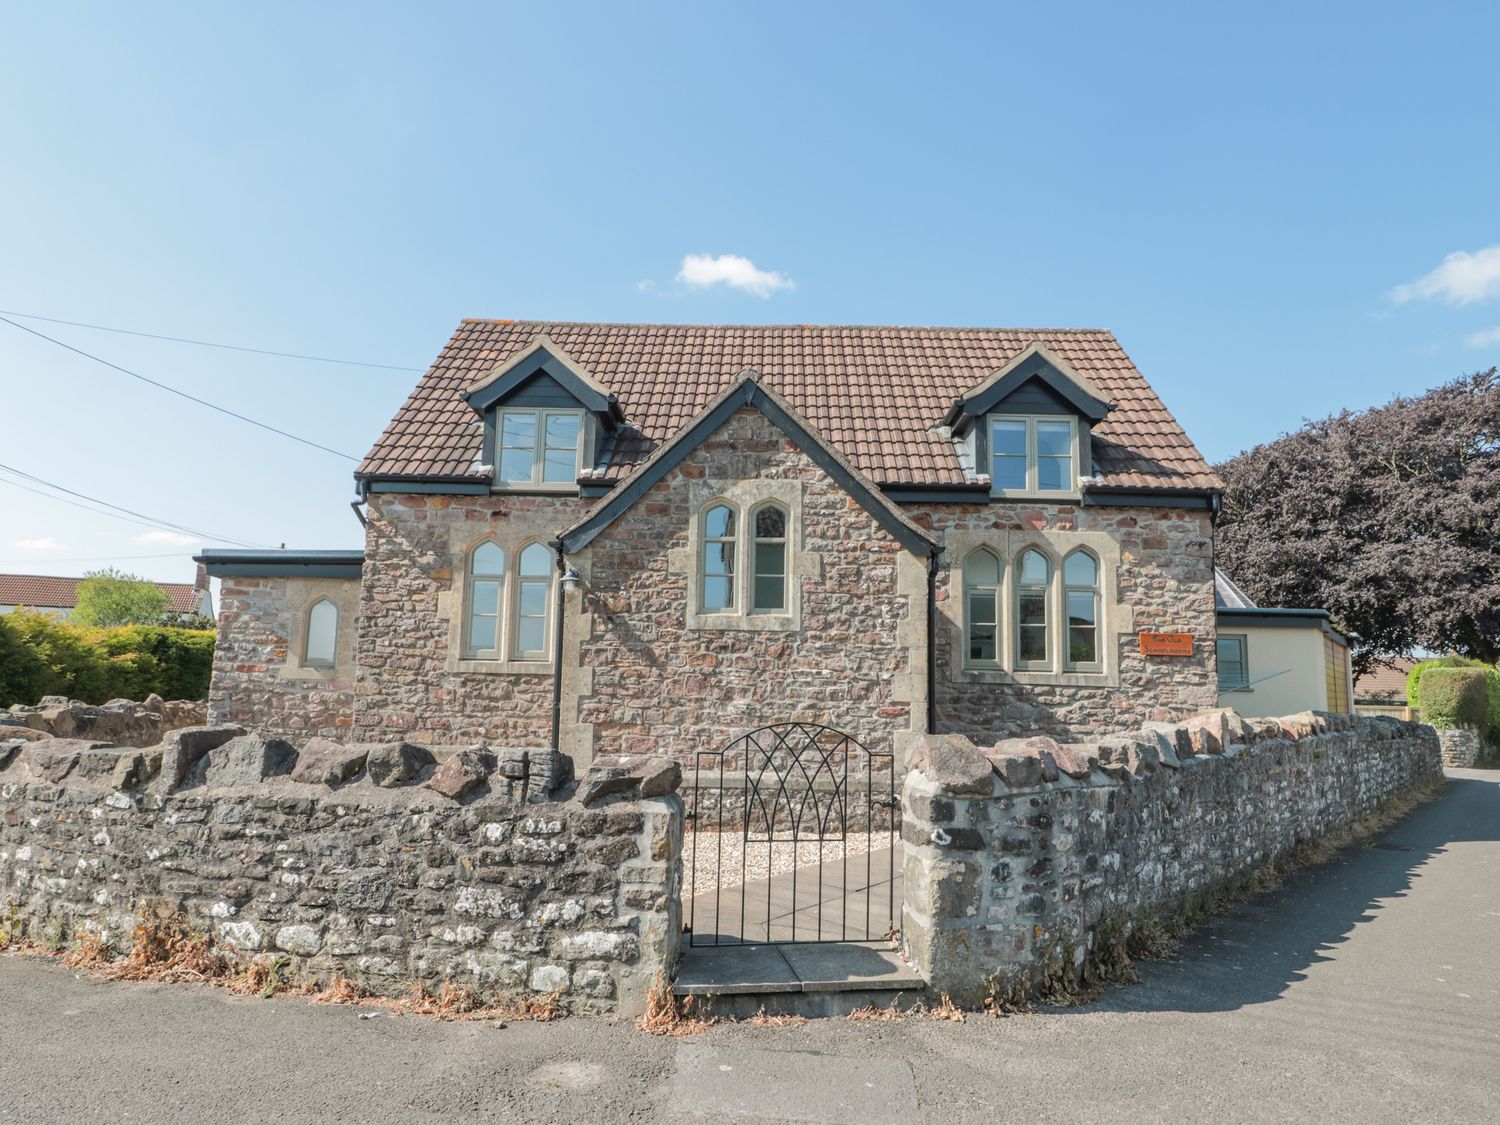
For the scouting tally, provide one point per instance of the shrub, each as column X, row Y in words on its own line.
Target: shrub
column 1456, row 697
column 55, row 657
column 1492, row 685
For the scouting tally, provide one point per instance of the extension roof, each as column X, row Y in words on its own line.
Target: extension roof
column 879, row 396
column 38, row 591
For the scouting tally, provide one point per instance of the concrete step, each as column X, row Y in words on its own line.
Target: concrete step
column 808, row 979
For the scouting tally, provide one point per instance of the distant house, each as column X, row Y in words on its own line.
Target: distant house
column 1382, row 690
column 59, row 596
column 1278, row 661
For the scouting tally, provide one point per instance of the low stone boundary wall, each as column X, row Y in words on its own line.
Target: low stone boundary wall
column 1022, row 859
column 1465, row 749
column 390, row 865
column 122, row 722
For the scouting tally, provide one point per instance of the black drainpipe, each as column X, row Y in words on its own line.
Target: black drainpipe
column 932, row 569
column 557, row 647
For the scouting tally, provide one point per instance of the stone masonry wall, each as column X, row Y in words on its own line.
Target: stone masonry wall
column 385, row 885
column 1020, row 856
column 1465, row 749
column 411, row 679
column 654, row 680
column 258, row 680
column 1162, row 582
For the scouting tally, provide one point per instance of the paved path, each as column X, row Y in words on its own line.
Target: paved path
column 1365, row 990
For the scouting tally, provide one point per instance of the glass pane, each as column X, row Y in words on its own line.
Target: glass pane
column 1054, row 473
column 770, row 523
column 1033, row 643
column 530, row 635
column 719, row 523
column 1033, row 569
column 486, row 598
column 1009, row 437
column 982, row 642
column 533, row 599
column 1009, row 473
column 982, row 569
column 518, row 431
column 717, row 593
column 322, row 628
column 1080, row 570
column 1033, row 608
column 770, row 593
column 718, row 558
column 560, row 466
column 536, row 562
column 515, row 465
column 770, row 558
column 482, row 633
column 1080, row 607
column 488, row 559
column 562, row 431
column 1081, row 646
column 1054, row 439
column 982, row 607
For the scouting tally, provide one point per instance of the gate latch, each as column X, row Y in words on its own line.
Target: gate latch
column 888, row 802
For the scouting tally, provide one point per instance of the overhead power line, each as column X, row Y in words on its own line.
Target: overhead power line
column 175, row 391
column 92, row 558
column 207, row 343
column 94, row 504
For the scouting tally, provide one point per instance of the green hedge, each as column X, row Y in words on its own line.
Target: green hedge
column 1456, row 697
column 42, row 655
column 1414, row 680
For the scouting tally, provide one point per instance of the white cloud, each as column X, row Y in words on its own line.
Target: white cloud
column 45, row 543
column 1461, row 279
column 1483, row 339
column 704, row 270
column 167, row 538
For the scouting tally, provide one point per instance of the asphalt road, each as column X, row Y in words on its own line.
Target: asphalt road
column 1365, row 989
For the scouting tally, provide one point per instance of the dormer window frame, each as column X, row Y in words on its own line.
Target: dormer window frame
column 568, row 390
column 1076, row 443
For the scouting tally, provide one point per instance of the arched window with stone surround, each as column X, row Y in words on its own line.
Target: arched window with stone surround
column 320, row 643
column 483, row 596
column 1081, row 604
column 982, row 571
column 533, row 596
column 716, row 577
column 768, row 560
column 1033, row 633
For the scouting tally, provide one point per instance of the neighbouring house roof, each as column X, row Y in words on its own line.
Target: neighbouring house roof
column 748, row 391
column 46, row 592
column 878, row 396
column 1385, row 683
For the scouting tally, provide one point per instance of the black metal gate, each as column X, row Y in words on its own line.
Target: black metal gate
column 791, row 838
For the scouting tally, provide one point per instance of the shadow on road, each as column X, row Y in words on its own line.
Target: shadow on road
column 1254, row 951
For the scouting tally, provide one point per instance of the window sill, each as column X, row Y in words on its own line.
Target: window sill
column 1038, row 497
column 1037, row 677
column 501, row 667
column 538, row 489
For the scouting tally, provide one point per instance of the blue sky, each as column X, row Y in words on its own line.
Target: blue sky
column 1260, row 201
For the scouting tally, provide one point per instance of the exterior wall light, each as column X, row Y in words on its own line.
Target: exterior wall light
column 570, row 580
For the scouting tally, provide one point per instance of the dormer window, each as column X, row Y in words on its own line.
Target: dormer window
column 537, row 447
column 1033, row 454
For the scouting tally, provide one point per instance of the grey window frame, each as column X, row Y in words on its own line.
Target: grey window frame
column 539, row 451
column 1243, row 641
column 1046, row 663
column 308, row 660
column 1032, row 486
column 997, row 590
column 518, row 583
column 752, row 573
column 470, row 651
column 1069, row 664
column 735, row 570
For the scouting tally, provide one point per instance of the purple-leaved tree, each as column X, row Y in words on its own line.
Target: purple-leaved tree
column 1388, row 518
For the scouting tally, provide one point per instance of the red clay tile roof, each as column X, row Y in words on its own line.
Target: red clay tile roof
column 875, row 394
column 44, row 592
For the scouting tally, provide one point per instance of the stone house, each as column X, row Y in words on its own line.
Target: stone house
column 626, row 538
